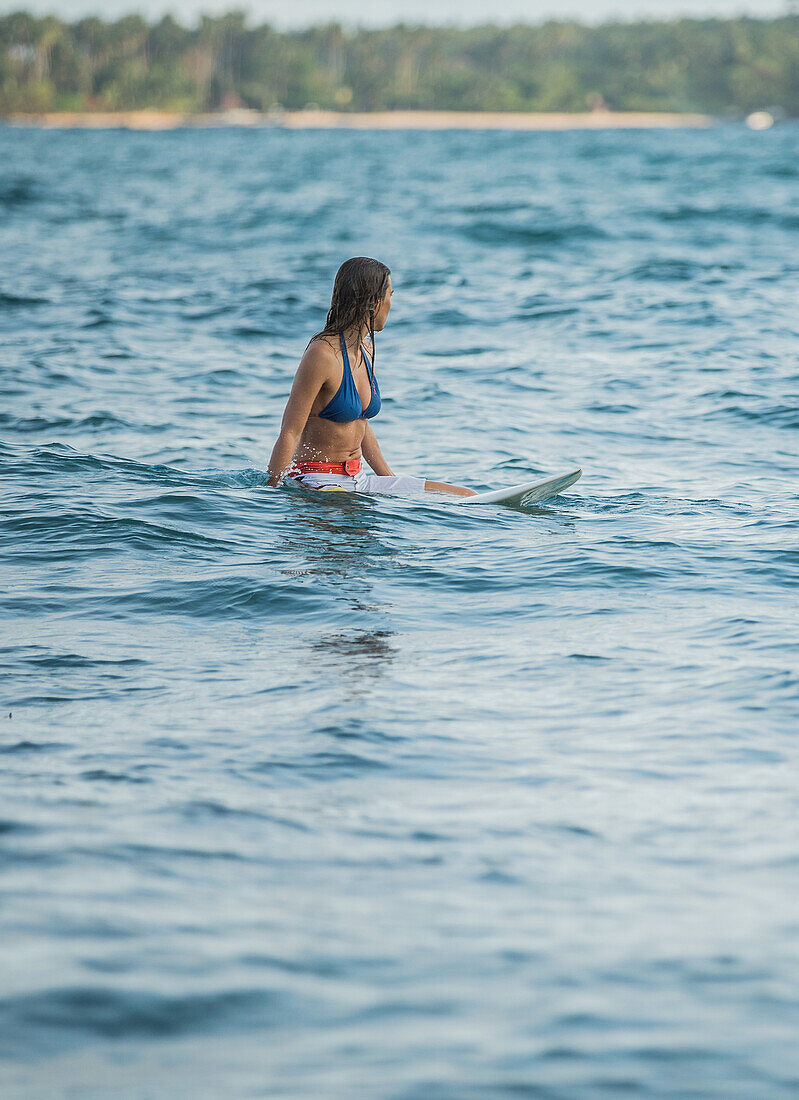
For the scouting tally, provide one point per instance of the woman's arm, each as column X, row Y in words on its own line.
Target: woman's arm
column 373, row 455
column 311, row 376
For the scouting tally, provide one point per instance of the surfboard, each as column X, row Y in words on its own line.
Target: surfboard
column 529, row 492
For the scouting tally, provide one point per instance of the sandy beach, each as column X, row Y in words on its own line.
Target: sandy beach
column 378, row 120
column 489, row 120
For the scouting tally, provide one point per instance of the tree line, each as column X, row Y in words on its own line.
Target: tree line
column 718, row 66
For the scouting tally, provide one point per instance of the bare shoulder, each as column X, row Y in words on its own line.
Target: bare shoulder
column 316, row 367
column 319, row 360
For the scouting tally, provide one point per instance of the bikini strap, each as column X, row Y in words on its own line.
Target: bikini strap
column 369, row 368
column 367, row 360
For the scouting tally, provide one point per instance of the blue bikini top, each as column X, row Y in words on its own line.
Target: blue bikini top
column 346, row 405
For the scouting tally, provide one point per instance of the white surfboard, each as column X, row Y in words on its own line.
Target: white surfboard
column 529, row 492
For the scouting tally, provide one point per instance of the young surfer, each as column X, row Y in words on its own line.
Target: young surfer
column 326, row 434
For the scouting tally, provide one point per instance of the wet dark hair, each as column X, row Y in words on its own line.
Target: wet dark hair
column 359, row 285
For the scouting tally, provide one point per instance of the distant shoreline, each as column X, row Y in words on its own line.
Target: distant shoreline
column 377, row 120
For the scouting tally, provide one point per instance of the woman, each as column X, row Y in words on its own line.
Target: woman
column 326, row 434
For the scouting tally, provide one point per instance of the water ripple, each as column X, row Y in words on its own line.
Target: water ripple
column 326, row 795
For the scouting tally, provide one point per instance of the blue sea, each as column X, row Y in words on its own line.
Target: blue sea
column 323, row 796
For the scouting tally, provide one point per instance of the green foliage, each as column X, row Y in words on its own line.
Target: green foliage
column 718, row 66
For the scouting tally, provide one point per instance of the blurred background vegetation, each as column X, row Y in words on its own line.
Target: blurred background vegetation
column 719, row 66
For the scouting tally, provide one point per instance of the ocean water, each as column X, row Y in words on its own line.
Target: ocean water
column 309, row 796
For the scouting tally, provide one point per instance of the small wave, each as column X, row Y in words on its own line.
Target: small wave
column 612, row 410
column 83, row 530
column 65, row 1017
column 213, row 599
column 99, row 318
column 664, row 271
column 358, row 729
column 18, row 191
column 93, row 422
column 319, row 766
column 508, row 207
column 455, row 317
column 496, row 233
column 10, row 300
column 454, row 353
column 206, row 314
column 208, row 810
column 776, row 416
column 8, row 827
column 266, row 283
column 249, row 478
column 31, row 462
column 102, row 775
column 42, row 658
column 252, row 332
column 32, row 747
column 782, row 171
column 540, row 306
column 159, row 854
column 737, row 215
column 210, row 599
